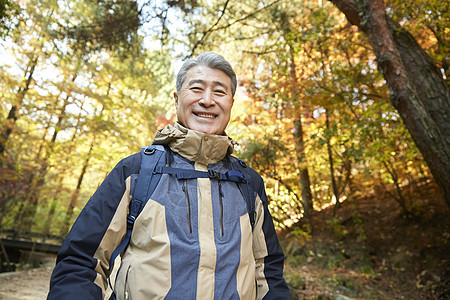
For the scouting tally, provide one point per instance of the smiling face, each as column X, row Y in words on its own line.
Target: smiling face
column 205, row 100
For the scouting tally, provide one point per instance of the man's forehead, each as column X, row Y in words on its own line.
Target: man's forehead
column 207, row 76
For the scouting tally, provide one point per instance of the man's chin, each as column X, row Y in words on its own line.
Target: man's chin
column 206, row 129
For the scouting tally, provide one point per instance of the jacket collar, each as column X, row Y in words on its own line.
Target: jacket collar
column 194, row 145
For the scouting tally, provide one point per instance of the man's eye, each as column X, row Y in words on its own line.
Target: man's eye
column 196, row 89
column 219, row 92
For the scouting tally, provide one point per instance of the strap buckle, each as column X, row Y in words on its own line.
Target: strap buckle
column 130, row 221
column 235, row 176
column 149, row 151
column 213, row 174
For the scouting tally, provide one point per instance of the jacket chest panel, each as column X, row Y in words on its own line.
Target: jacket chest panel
column 183, row 201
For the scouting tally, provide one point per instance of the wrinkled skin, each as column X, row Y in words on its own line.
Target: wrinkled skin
column 205, row 100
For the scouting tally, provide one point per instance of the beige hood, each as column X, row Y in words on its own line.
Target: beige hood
column 194, row 145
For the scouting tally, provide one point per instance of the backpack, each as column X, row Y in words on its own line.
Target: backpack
column 153, row 166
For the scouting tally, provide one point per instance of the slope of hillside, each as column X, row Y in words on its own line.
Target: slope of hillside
column 371, row 250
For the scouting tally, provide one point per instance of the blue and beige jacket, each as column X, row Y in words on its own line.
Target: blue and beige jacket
column 187, row 243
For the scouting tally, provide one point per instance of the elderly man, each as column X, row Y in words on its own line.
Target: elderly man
column 204, row 230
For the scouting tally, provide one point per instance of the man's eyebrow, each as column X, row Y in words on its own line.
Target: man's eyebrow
column 221, row 84
column 193, row 81
column 201, row 81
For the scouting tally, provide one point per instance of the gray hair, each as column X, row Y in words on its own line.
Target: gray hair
column 211, row 60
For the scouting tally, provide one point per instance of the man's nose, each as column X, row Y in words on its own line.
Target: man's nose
column 207, row 98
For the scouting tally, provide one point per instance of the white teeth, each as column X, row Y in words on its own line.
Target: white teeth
column 206, row 116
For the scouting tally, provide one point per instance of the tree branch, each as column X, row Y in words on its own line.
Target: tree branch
column 211, row 29
column 207, row 32
column 350, row 10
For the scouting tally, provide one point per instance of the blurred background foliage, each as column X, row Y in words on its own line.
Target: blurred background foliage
column 86, row 83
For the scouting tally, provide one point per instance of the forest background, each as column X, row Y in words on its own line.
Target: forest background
column 341, row 104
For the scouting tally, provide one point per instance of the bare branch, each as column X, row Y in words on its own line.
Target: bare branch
column 212, row 28
column 207, row 32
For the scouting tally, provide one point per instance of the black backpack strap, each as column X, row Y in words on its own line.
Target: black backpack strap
column 247, row 187
column 145, row 185
column 183, row 174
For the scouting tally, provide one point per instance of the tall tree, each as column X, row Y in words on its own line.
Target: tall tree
column 15, row 108
column 299, row 139
column 417, row 88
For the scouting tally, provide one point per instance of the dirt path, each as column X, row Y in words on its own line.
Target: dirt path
column 27, row 285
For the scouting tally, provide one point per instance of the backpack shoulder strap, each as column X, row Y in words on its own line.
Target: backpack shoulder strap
column 147, row 180
column 146, row 183
column 249, row 186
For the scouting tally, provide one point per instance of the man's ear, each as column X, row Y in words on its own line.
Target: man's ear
column 175, row 97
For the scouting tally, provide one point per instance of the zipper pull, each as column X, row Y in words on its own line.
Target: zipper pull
column 220, row 189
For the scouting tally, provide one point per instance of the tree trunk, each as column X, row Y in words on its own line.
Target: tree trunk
column 304, row 174
column 74, row 199
column 300, row 144
column 14, row 111
column 334, row 185
column 416, row 86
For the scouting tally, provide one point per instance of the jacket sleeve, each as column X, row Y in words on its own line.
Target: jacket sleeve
column 268, row 254
column 82, row 264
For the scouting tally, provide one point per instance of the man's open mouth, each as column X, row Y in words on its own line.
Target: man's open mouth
column 202, row 115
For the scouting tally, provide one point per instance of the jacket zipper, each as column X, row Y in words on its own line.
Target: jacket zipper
column 221, row 207
column 188, row 202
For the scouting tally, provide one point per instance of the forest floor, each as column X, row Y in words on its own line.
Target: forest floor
column 369, row 250
column 372, row 250
column 31, row 284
